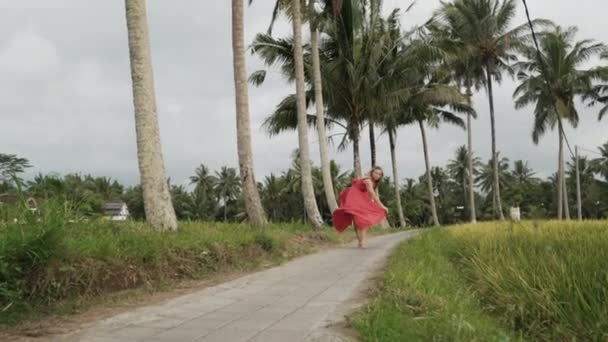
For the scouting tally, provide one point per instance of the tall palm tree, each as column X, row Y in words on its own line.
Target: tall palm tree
column 482, row 28
column 425, row 107
column 432, row 118
column 253, row 203
column 349, row 58
column 328, row 186
column 227, row 187
column 467, row 73
column 551, row 82
column 308, row 191
column 157, row 198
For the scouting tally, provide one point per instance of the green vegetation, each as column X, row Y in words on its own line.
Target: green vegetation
column 494, row 282
column 51, row 257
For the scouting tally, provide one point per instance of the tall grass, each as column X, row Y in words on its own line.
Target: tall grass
column 547, row 279
column 542, row 281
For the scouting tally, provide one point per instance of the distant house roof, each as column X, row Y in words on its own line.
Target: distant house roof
column 114, row 208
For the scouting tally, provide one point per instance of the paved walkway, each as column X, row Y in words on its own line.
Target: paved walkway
column 289, row 303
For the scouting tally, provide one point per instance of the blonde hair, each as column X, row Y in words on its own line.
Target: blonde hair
column 371, row 172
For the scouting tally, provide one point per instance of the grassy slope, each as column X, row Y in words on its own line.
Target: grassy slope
column 535, row 280
column 46, row 268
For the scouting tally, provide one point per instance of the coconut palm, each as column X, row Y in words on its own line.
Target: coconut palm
column 467, row 73
column 253, row 203
column 308, row 191
column 328, row 186
column 551, row 80
column 459, row 169
column 522, row 173
column 600, row 165
column 227, row 187
column 485, row 179
column 203, row 180
column 481, row 28
column 157, row 198
column 349, row 55
column 425, row 107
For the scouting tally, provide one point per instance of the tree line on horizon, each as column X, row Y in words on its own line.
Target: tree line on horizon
column 218, row 195
column 362, row 69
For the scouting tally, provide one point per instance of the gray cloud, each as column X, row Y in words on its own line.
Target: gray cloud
column 67, row 100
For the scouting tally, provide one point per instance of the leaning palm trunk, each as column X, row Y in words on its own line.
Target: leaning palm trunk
column 253, row 203
column 470, row 162
column 157, row 198
column 328, row 186
column 429, row 178
column 494, row 154
column 308, row 192
column 391, row 138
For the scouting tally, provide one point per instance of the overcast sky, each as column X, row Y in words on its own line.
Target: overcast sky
column 66, row 97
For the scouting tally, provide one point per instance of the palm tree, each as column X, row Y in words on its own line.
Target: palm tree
column 328, row 186
column 157, row 198
column 203, row 180
column 253, row 203
column 485, row 179
column 308, row 191
column 349, row 59
column 551, row 81
column 227, row 187
column 522, row 173
column 481, row 28
column 600, row 165
column 467, row 73
column 432, row 118
column 459, row 169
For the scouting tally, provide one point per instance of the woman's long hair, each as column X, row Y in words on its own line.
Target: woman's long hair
column 371, row 172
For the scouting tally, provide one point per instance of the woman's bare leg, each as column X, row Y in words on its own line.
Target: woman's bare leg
column 360, row 236
column 362, row 232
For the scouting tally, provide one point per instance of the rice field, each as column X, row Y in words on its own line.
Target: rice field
column 535, row 280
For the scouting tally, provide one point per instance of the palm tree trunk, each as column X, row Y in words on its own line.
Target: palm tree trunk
column 560, row 172
column 372, row 143
column 328, row 186
column 470, row 162
column 225, row 210
column 563, row 176
column 308, row 192
column 157, row 198
column 253, row 203
column 566, row 203
column 429, row 178
column 391, row 138
column 494, row 153
column 355, row 132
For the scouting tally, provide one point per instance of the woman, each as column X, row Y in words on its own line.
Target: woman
column 360, row 204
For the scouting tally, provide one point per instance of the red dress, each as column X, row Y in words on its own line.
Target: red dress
column 357, row 205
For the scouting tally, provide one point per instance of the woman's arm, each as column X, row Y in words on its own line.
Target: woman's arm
column 373, row 194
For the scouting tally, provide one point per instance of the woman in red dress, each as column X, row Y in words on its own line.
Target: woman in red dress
column 361, row 205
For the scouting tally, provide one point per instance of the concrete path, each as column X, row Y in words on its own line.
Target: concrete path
column 289, row 303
